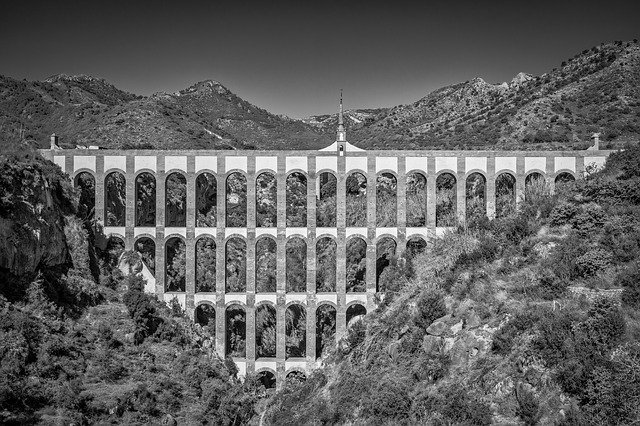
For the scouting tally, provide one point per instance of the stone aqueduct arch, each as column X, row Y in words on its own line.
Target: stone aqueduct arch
column 205, row 217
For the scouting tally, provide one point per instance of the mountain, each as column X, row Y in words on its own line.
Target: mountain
column 84, row 110
column 597, row 90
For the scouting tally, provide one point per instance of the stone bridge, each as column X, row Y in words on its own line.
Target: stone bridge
column 338, row 162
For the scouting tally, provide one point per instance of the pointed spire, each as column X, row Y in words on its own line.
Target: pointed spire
column 342, row 134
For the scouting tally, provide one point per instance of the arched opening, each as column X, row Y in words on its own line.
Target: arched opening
column 326, row 249
column 146, row 248
column 563, row 181
column 355, row 313
column 145, row 199
column 535, row 185
column 236, row 207
column 205, row 315
column 266, row 331
column 86, row 183
column 295, row 377
column 176, row 200
column 236, row 265
column 385, row 251
column 113, row 251
column 296, row 265
column 386, row 200
column 325, row 329
column 297, row 200
column 296, row 331
column 266, row 200
column 356, row 265
column 356, row 200
column 206, row 265
column 206, row 200
column 415, row 246
column 326, row 200
column 446, row 200
column 505, row 194
column 115, row 199
column 476, row 195
column 416, row 200
column 236, row 323
column 266, row 263
column 175, row 264
column 267, row 379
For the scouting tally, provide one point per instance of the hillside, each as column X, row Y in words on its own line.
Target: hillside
column 597, row 90
column 84, row 110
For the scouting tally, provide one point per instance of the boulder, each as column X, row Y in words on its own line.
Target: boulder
column 431, row 344
column 468, row 346
column 472, row 320
column 456, row 328
column 439, row 326
column 447, row 344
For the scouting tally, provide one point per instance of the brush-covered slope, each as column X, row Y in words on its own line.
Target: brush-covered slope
column 529, row 319
column 83, row 110
column 597, row 90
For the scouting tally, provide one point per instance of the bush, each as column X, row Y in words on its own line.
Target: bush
column 429, row 307
column 629, row 279
column 563, row 213
column 550, row 286
column 528, row 407
column 504, row 337
column 593, row 261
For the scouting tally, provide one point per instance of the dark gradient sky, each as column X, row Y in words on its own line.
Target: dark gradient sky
column 292, row 58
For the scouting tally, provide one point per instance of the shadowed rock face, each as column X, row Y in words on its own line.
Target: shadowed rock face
column 33, row 200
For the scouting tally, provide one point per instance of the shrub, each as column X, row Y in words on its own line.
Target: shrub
column 550, row 286
column 589, row 220
column 504, row 337
column 528, row 407
column 563, row 213
column 629, row 279
column 429, row 307
column 593, row 261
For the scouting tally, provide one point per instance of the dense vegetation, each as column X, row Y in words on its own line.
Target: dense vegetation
column 502, row 321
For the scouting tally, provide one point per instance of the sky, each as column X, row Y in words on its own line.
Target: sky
column 293, row 58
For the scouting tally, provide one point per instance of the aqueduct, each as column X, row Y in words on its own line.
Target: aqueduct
column 245, row 271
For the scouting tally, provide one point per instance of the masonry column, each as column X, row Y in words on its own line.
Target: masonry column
column 221, row 313
column 520, row 180
column 490, row 194
column 580, row 167
column 281, row 240
column 461, row 191
column 130, row 202
column 550, row 173
column 431, row 194
column 190, row 266
column 160, row 197
column 371, row 230
column 401, row 194
column 251, row 263
column 99, row 197
column 341, row 247
column 311, row 261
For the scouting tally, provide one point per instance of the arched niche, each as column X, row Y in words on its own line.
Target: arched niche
column 385, row 251
column 113, row 251
column 356, row 200
column 205, row 265
column 266, row 338
column 563, row 181
column 146, row 200
column 326, row 193
column 505, row 194
column 386, row 200
column 115, row 199
column 205, row 315
column 266, row 265
column 266, row 200
column 535, row 185
column 146, row 248
column 236, row 265
column 296, row 200
column 355, row 312
column 236, row 331
column 325, row 329
column 295, row 377
column 475, row 196
column 415, row 246
column 296, row 265
column 86, row 184
column 175, row 214
column 416, row 187
column 446, row 200
column 356, row 265
column 236, row 200
column 175, row 264
column 296, row 331
column 206, row 200
column 326, row 251
column 267, row 379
